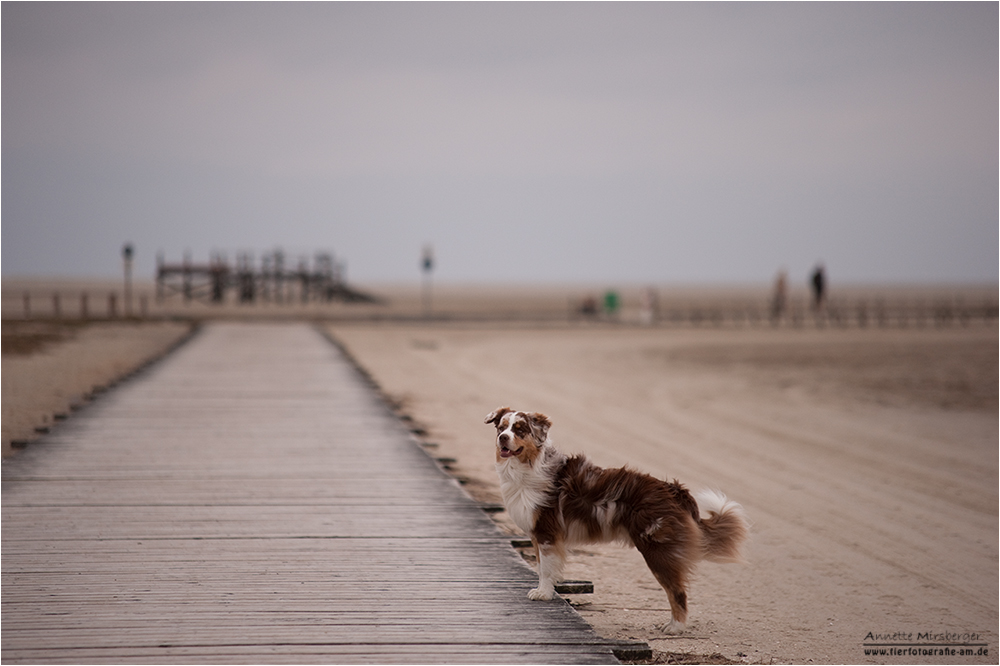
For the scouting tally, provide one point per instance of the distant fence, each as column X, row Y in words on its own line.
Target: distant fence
column 859, row 313
column 95, row 305
column 894, row 311
column 83, row 305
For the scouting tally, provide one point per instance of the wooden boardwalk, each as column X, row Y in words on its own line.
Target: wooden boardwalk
column 251, row 500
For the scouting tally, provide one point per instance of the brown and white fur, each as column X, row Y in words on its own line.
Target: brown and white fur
column 562, row 501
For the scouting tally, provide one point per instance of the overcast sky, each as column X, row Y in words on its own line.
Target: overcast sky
column 592, row 142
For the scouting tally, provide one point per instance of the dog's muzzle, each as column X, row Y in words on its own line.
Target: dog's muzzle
column 505, row 451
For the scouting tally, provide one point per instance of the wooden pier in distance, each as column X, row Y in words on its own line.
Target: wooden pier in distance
column 271, row 281
column 251, row 500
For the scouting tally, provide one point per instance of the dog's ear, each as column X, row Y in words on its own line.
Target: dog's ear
column 541, row 424
column 495, row 416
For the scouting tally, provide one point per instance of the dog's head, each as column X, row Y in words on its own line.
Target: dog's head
column 520, row 435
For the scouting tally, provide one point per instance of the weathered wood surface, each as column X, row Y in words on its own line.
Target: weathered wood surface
column 251, row 500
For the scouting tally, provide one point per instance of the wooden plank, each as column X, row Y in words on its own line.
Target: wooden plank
column 251, row 499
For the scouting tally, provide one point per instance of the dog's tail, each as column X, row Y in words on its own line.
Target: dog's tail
column 724, row 527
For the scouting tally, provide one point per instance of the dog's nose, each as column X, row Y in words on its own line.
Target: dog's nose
column 504, row 438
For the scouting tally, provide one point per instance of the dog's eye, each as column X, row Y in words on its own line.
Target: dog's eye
column 521, row 429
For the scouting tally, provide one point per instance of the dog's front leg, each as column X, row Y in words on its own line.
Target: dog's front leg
column 551, row 558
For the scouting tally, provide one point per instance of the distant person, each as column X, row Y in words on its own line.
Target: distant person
column 819, row 287
column 780, row 301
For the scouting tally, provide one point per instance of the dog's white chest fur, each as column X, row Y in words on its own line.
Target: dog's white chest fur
column 524, row 489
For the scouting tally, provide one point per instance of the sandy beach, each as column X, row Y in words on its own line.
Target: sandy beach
column 866, row 460
column 866, row 457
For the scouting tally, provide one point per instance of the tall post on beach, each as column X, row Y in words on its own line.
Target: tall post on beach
column 127, row 257
column 428, row 267
column 187, row 277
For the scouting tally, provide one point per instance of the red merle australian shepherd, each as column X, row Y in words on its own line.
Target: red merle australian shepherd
column 562, row 501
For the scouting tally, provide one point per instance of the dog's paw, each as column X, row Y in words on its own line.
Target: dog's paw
column 673, row 627
column 539, row 594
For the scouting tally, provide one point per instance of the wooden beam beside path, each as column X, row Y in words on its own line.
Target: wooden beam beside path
column 250, row 500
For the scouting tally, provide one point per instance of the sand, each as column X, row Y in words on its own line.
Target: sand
column 866, row 459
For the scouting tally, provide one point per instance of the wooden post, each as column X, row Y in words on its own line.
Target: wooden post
column 187, row 277
column 303, row 281
column 427, row 264
column 279, row 276
column 112, row 305
column 160, row 277
column 27, row 305
column 83, row 305
column 127, row 253
column 56, row 310
column 144, row 306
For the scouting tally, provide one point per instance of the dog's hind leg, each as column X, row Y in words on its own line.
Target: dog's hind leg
column 671, row 573
column 551, row 558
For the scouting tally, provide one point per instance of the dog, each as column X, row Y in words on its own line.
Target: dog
column 562, row 501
